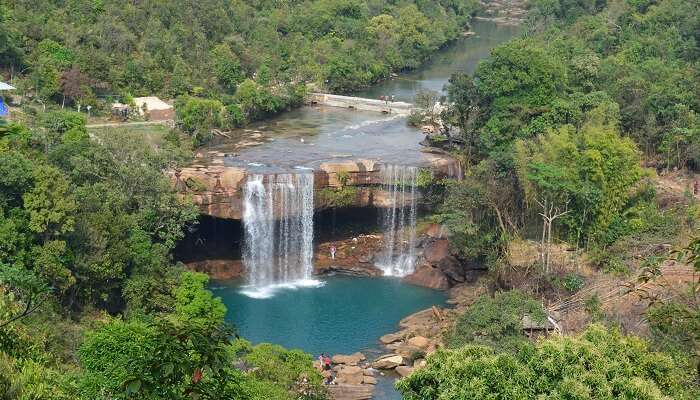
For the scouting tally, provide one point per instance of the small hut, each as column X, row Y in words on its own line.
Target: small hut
column 4, row 110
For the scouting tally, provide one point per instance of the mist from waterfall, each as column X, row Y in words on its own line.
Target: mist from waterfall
column 278, row 214
column 399, row 220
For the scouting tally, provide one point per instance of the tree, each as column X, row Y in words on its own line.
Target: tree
column 226, row 67
column 50, row 203
column 196, row 305
column 74, row 85
column 592, row 171
column 464, row 110
column 21, row 294
column 150, row 360
column 598, row 364
column 199, row 116
column 496, row 322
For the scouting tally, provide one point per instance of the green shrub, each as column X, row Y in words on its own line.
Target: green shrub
column 598, row 364
column 343, row 177
column 497, row 321
column 342, row 197
column 573, row 282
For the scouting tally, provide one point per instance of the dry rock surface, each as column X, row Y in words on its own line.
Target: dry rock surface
column 352, row 377
column 437, row 267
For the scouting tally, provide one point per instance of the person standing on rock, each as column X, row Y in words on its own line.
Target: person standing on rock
column 327, row 363
column 333, row 249
column 320, row 362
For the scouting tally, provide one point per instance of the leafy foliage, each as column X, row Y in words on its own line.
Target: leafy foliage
column 496, row 322
column 598, row 364
column 218, row 48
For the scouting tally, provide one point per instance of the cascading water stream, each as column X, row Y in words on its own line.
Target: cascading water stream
column 399, row 220
column 278, row 228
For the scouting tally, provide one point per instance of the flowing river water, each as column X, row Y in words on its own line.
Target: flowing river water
column 336, row 314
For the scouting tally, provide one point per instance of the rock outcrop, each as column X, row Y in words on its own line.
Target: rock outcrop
column 352, row 359
column 389, row 361
column 428, row 276
column 437, row 267
column 353, row 256
column 352, row 378
column 217, row 188
column 351, row 392
column 218, row 269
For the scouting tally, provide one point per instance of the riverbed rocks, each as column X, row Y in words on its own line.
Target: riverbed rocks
column 351, row 392
column 437, row 266
column 353, row 256
column 504, row 12
column 420, row 342
column 353, row 377
column 388, row 361
column 391, row 338
column 428, row 276
column 352, row 359
column 369, row 380
column 350, row 374
column 404, row 370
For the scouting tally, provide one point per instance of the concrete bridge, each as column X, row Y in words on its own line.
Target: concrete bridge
column 359, row 103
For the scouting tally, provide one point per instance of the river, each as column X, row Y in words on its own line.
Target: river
column 308, row 136
column 342, row 314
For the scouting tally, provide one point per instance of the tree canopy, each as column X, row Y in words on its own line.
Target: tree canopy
column 598, row 364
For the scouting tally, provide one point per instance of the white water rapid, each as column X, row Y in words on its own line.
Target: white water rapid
column 399, row 220
column 278, row 214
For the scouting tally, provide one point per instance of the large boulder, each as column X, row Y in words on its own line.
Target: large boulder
column 404, row 371
column 352, row 359
column 452, row 268
column 420, row 342
column 389, row 361
column 369, row 380
column 429, row 277
column 347, row 391
column 436, row 250
column 407, row 351
column 351, row 375
column 391, row 338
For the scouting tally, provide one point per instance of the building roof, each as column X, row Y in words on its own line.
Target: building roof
column 152, row 103
column 5, row 86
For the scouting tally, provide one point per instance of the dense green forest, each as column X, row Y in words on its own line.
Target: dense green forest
column 91, row 304
column 561, row 132
column 254, row 57
column 576, row 114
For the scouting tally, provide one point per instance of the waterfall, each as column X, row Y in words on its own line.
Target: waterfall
column 278, row 228
column 399, row 220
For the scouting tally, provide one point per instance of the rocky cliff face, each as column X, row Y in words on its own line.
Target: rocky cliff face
column 437, row 267
column 217, row 188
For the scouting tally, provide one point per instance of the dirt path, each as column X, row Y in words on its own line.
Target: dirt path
column 678, row 183
column 127, row 124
